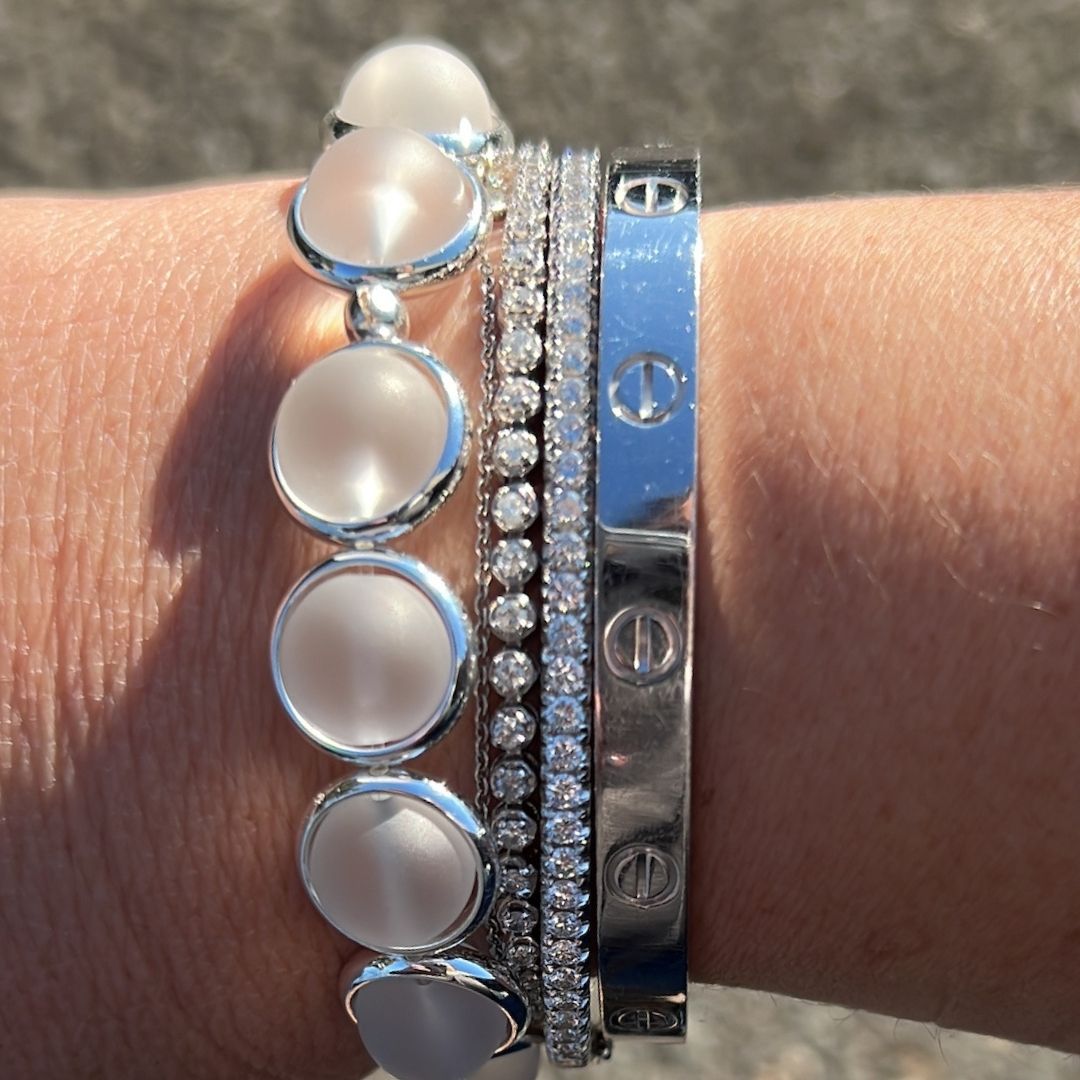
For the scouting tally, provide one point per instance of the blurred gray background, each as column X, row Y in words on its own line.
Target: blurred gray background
column 788, row 98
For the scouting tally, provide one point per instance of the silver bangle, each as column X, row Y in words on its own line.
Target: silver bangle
column 566, row 685
column 506, row 570
column 645, row 533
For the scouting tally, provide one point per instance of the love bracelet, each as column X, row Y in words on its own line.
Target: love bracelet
column 547, row 906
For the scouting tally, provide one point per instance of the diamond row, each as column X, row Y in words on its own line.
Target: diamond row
column 511, row 615
column 566, row 657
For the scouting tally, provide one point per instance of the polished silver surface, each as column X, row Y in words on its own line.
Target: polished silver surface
column 458, row 629
column 430, row 270
column 645, row 525
column 376, row 310
column 433, row 794
column 567, row 654
column 440, row 485
column 463, row 967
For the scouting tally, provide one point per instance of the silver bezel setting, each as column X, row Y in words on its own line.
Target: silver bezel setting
column 454, row 618
column 433, row 794
column 443, row 480
column 463, row 968
column 429, row 270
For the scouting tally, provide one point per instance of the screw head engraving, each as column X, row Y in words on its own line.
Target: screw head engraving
column 642, row 644
column 643, row 1020
column 651, row 196
column 647, row 389
column 642, row 876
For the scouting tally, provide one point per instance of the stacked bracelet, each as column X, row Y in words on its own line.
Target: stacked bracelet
column 373, row 657
column 491, row 924
column 645, row 525
column 567, row 611
column 506, row 604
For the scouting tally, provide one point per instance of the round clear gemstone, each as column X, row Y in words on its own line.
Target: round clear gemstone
column 570, row 430
column 575, row 293
column 565, row 636
column 564, row 793
column 565, row 978
column 566, row 828
column 512, row 672
column 566, row 895
column 522, row 301
column 517, row 400
column 516, row 452
column 518, row 877
column 574, row 357
column 523, row 953
column 567, row 552
column 567, row 1019
column 522, row 260
column 566, row 951
column 574, row 320
column 566, row 924
column 520, row 350
column 514, row 561
column 565, row 675
column 565, row 754
column 512, row 780
column 512, row 616
column 575, row 239
column 514, row 507
column 554, row 1001
column 565, row 862
column 514, row 830
column 517, row 917
column 566, row 716
column 566, row 592
column 568, row 469
column 565, row 509
column 513, row 727
column 571, row 394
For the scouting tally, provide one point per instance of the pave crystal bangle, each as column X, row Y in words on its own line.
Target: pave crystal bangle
column 566, row 688
column 506, row 592
column 368, row 442
column 645, row 535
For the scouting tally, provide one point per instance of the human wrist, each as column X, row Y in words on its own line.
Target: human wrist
column 886, row 479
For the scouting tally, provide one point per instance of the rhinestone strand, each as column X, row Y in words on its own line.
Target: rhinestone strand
column 566, row 720
column 510, row 614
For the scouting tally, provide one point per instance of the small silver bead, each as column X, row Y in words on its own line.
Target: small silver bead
column 376, row 311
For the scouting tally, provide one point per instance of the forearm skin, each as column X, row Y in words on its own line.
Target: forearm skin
column 886, row 737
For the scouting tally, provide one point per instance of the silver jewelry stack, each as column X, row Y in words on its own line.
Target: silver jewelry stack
column 579, row 663
column 566, row 691
column 506, row 746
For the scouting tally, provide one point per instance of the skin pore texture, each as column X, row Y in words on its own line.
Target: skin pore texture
column 885, row 802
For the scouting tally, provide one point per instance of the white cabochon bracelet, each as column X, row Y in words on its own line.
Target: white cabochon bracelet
column 372, row 655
